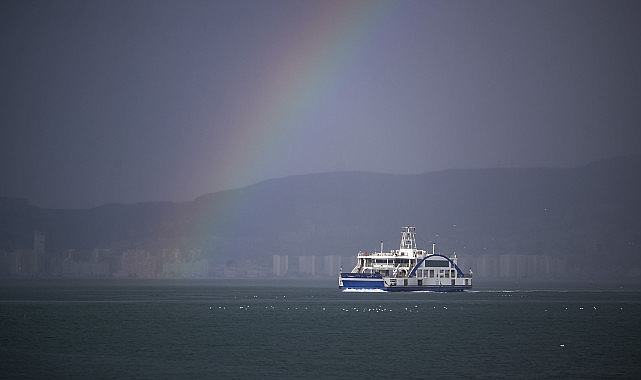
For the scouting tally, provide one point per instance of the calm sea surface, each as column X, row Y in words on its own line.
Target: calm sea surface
column 208, row 330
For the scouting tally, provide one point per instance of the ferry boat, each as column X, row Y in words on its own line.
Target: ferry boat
column 406, row 269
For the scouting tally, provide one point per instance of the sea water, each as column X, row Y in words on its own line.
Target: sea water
column 207, row 329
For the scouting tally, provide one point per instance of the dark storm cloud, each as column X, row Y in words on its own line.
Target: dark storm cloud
column 152, row 100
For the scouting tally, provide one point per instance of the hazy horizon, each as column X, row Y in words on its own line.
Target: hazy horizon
column 31, row 202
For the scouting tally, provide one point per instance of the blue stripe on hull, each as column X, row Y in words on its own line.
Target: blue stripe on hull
column 362, row 284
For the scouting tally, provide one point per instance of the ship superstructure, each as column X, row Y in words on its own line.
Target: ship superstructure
column 406, row 269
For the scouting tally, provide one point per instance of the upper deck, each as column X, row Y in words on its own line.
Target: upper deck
column 416, row 269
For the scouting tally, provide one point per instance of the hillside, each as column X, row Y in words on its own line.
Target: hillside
column 589, row 215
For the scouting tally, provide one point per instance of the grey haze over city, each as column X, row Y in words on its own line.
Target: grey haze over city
column 124, row 102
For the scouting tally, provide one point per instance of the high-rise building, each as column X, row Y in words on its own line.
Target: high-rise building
column 280, row 265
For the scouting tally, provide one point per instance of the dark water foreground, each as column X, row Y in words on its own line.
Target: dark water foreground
column 208, row 330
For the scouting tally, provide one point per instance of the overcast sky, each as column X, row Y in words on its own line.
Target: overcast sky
column 131, row 101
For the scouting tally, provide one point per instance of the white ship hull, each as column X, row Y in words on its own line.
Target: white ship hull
column 394, row 284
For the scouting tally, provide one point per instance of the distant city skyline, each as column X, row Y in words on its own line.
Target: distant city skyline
column 129, row 102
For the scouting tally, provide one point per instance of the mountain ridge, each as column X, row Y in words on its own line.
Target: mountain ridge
column 589, row 214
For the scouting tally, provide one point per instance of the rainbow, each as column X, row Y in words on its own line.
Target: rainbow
column 295, row 81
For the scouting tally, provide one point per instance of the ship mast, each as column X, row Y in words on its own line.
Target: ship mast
column 408, row 238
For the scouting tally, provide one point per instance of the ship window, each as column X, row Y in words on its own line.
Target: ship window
column 436, row 263
column 431, row 273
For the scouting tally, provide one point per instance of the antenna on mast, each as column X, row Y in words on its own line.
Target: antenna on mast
column 408, row 239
